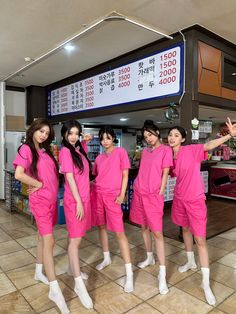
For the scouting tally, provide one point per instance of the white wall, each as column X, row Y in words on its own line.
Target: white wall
column 15, row 103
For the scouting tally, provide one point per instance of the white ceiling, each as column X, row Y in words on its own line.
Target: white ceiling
column 31, row 28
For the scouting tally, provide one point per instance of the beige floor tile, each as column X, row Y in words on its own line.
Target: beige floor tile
column 192, row 285
column 215, row 253
column 5, row 218
column 173, row 275
column 229, row 260
column 6, row 285
column 222, row 243
column 64, row 243
column 14, row 303
column 24, row 218
column 56, row 251
column 138, row 254
column 145, row 284
column 230, row 235
column 23, row 277
column 114, row 247
column 178, row 257
column 176, row 243
column 171, row 249
column 115, row 270
column 61, row 264
column 96, row 279
column 143, row 308
column 91, row 254
column 15, row 260
column 93, row 237
column 223, row 274
column 216, row 311
column 229, row 305
column 76, row 307
column 135, row 237
column 60, row 233
column 4, row 236
column 29, row 241
column 9, row 247
column 111, row 298
column 51, row 311
column 22, row 232
column 178, row 302
column 12, row 224
column 37, row 296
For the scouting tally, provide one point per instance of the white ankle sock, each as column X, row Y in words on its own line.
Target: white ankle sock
column 81, row 291
column 148, row 261
column 39, row 274
column 163, row 288
column 206, row 286
column 191, row 264
column 57, row 297
column 129, row 282
column 83, row 275
column 105, row 262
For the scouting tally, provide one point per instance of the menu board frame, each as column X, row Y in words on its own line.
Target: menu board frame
column 141, row 60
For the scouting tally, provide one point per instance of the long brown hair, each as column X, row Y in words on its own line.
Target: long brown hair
column 36, row 125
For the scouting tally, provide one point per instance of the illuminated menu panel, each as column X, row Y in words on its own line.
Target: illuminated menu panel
column 156, row 76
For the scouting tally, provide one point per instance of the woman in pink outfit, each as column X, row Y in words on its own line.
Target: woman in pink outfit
column 148, row 198
column 75, row 166
column 189, row 209
column 111, row 170
column 36, row 167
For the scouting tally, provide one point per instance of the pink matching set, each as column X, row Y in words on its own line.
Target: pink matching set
column 189, row 208
column 147, row 204
column 76, row 228
column 108, row 169
column 42, row 203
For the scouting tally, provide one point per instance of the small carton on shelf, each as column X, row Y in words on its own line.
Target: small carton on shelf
column 24, row 188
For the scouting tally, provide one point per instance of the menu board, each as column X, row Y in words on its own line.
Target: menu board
column 158, row 75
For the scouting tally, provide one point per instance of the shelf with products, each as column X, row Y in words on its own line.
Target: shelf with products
column 94, row 148
column 16, row 195
column 16, row 198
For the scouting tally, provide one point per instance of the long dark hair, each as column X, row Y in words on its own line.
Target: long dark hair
column 36, row 125
column 108, row 130
column 77, row 160
column 150, row 127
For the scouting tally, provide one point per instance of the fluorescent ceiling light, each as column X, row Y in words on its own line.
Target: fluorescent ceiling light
column 69, row 47
column 124, row 119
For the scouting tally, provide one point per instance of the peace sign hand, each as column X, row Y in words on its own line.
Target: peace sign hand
column 87, row 137
column 231, row 127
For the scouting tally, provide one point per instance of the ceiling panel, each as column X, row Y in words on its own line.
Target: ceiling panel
column 31, row 28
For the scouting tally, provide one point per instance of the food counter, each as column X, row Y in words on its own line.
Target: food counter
column 223, row 179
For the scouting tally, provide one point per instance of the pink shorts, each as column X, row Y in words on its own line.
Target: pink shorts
column 147, row 210
column 77, row 228
column 45, row 216
column 105, row 211
column 190, row 214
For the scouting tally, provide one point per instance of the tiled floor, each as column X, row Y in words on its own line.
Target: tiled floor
column 20, row 293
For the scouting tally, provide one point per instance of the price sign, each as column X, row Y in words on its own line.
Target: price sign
column 158, row 75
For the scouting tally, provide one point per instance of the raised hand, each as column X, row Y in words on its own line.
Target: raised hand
column 231, row 127
column 87, row 137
